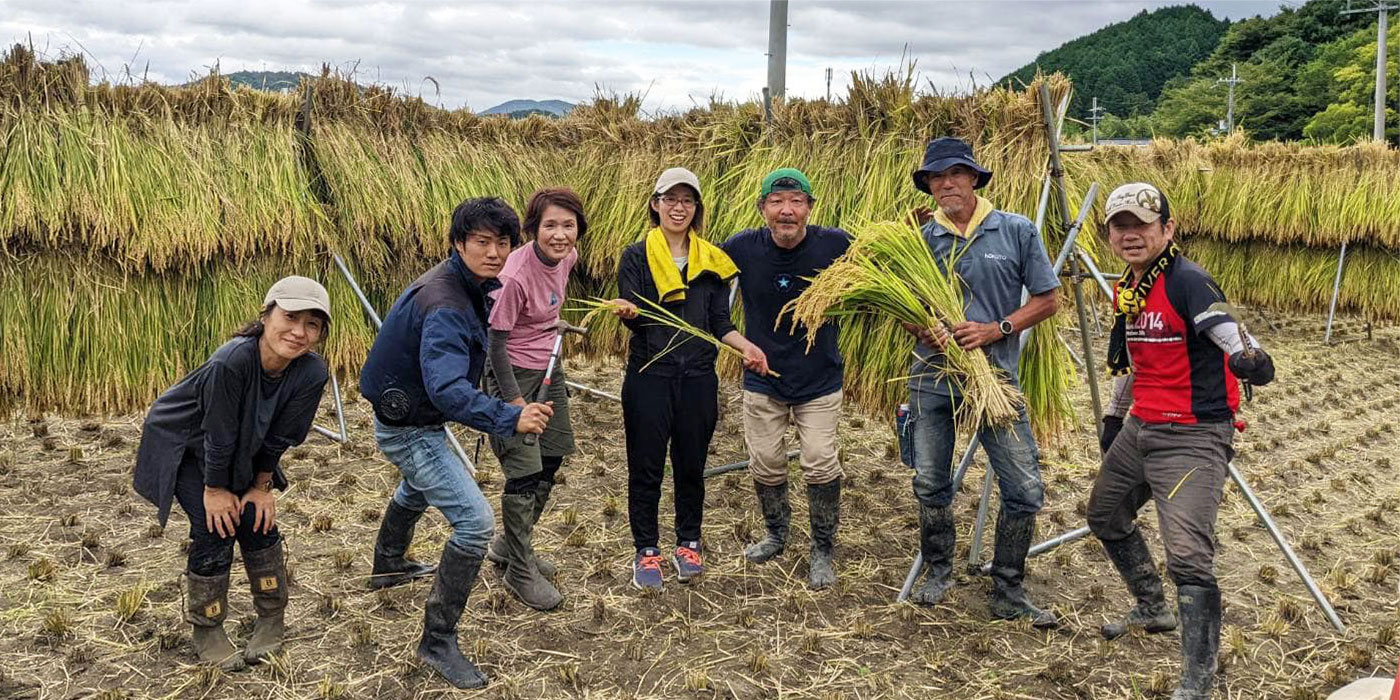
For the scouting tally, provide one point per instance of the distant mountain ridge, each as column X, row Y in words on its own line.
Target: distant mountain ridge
column 266, row 79
column 513, row 108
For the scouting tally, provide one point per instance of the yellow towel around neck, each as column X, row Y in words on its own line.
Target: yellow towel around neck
column 704, row 257
column 980, row 214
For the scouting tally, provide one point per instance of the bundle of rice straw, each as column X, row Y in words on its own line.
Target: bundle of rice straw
column 890, row 270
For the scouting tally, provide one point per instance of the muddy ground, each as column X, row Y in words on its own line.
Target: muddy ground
column 90, row 594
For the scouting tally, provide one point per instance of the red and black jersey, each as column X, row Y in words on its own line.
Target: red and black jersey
column 1179, row 374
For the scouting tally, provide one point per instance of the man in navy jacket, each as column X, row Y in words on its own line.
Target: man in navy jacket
column 424, row 370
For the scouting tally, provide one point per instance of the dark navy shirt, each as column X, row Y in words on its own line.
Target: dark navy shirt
column 770, row 277
column 1002, row 257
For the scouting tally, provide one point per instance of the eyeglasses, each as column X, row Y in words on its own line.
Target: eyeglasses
column 671, row 200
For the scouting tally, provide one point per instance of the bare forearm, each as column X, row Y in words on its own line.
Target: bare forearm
column 1036, row 309
column 736, row 340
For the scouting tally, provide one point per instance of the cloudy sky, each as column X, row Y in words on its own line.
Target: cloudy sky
column 483, row 53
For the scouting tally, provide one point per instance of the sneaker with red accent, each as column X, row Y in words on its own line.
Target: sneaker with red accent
column 687, row 561
column 646, row 569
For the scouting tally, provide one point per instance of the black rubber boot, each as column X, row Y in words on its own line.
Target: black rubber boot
column 1134, row 563
column 391, row 567
column 206, row 607
column 1199, row 607
column 937, row 537
column 824, row 505
column 773, row 502
column 267, row 576
column 456, row 575
column 521, row 576
column 498, row 553
column 1008, row 599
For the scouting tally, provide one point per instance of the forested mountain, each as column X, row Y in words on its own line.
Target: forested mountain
column 1125, row 65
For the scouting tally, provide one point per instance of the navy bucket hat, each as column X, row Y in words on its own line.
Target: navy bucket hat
column 943, row 153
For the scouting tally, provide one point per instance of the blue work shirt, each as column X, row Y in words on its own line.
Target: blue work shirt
column 1000, row 258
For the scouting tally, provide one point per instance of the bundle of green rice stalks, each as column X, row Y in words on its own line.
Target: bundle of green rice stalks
column 891, row 271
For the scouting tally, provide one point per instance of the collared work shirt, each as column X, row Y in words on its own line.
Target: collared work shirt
column 995, row 262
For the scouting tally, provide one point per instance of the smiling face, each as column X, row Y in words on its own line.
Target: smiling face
column 484, row 252
column 676, row 209
column 1138, row 242
column 291, row 334
column 786, row 215
column 558, row 233
column 954, row 189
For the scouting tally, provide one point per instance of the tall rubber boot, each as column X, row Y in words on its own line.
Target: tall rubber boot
column 1008, row 599
column 1199, row 607
column 267, row 576
column 206, row 607
column 1134, row 563
column 824, row 506
column 391, row 567
column 773, row 503
column 456, row 574
column 937, row 537
column 498, row 552
column 521, row 576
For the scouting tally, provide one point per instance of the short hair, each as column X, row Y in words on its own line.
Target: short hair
column 696, row 224
column 484, row 214
column 561, row 197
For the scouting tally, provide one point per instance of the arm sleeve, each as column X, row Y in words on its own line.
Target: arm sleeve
column 220, row 398
column 1037, row 274
column 1122, row 398
column 445, row 358
column 1226, row 336
column 629, row 286
column 291, row 425
column 721, row 321
column 500, row 364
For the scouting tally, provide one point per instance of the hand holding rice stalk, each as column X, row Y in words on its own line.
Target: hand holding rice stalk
column 659, row 315
column 889, row 270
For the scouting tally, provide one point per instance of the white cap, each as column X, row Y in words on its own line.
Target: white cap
column 297, row 293
column 677, row 176
column 1143, row 200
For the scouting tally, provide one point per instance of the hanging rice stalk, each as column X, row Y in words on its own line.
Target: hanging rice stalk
column 890, row 270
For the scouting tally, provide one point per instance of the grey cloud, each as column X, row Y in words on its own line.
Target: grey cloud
column 483, row 53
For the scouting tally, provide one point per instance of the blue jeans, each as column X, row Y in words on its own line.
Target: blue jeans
column 1012, row 452
column 434, row 476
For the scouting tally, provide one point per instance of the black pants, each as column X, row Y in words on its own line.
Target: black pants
column 658, row 412
column 209, row 554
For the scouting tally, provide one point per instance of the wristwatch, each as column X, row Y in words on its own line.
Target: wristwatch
column 1006, row 327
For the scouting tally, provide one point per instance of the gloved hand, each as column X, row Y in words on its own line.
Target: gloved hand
column 1257, row 369
column 1112, row 425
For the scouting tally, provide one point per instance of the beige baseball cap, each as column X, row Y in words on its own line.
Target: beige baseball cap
column 677, row 176
column 298, row 293
column 1145, row 201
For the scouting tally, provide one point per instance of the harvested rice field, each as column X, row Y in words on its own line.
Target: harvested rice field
column 90, row 594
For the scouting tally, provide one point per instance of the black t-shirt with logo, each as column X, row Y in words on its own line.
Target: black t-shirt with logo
column 770, row 277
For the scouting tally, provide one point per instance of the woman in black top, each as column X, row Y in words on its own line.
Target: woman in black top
column 670, row 391
column 213, row 442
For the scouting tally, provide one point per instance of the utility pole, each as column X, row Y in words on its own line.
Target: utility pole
column 1095, row 116
column 828, row 84
column 777, row 48
column 1232, row 81
column 1381, row 8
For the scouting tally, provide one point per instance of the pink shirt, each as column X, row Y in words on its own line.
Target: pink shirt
column 528, row 305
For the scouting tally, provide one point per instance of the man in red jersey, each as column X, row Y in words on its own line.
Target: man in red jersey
column 1177, row 359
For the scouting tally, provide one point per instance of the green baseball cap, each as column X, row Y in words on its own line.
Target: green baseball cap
column 793, row 174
